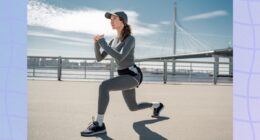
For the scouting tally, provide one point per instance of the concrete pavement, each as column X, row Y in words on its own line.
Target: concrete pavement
column 60, row 110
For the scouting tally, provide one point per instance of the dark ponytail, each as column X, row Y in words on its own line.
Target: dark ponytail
column 126, row 30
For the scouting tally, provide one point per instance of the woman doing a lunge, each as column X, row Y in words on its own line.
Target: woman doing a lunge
column 121, row 48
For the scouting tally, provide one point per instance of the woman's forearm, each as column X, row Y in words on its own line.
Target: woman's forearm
column 99, row 56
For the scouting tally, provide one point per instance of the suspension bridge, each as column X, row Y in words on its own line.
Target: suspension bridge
column 186, row 45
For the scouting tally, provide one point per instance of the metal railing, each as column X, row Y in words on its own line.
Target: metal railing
column 154, row 70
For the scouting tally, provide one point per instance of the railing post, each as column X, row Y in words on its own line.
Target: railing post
column 112, row 68
column 34, row 61
column 59, row 68
column 216, row 69
column 173, row 66
column 230, row 66
column 165, row 71
column 85, row 69
column 190, row 73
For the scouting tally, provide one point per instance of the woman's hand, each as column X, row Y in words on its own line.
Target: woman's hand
column 97, row 37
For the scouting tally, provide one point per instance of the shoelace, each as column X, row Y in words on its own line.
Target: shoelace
column 91, row 123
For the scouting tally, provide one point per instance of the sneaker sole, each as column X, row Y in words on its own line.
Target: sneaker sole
column 159, row 112
column 91, row 134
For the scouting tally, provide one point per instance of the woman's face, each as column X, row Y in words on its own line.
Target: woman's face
column 116, row 23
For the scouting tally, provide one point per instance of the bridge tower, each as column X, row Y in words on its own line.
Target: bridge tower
column 174, row 36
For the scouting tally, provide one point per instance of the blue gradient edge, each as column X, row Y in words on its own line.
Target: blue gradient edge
column 246, row 95
column 13, row 70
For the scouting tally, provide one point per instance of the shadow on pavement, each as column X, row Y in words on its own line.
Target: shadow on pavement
column 145, row 133
column 102, row 136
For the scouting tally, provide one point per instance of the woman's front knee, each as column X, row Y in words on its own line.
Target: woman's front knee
column 103, row 86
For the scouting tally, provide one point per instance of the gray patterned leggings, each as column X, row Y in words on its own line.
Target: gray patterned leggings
column 127, row 84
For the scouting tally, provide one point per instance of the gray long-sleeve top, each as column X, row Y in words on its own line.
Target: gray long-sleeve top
column 122, row 53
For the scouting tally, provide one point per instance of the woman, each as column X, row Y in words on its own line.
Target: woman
column 121, row 48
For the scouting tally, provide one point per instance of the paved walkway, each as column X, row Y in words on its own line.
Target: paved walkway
column 60, row 110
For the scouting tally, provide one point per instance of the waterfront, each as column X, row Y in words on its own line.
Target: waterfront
column 154, row 71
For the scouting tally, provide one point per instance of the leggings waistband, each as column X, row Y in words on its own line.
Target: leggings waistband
column 128, row 71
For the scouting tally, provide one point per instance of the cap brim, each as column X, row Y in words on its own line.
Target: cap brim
column 108, row 15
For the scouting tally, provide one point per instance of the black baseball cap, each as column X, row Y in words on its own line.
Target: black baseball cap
column 119, row 13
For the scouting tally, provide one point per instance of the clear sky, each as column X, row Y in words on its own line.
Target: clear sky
column 66, row 27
